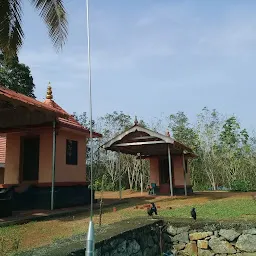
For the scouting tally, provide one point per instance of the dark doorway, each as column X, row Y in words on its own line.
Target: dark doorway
column 29, row 158
column 164, row 171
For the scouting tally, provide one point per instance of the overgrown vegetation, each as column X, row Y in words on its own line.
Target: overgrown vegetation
column 226, row 152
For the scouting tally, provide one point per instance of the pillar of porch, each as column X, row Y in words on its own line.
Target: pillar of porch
column 170, row 168
column 184, row 171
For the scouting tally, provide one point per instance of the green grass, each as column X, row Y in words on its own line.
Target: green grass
column 232, row 209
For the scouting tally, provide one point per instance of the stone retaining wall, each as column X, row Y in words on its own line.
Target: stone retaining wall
column 211, row 241
column 137, row 242
column 183, row 238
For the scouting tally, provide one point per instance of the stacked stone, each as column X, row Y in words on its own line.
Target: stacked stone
column 212, row 243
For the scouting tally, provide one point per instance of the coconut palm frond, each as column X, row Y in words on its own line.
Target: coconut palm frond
column 11, row 33
column 54, row 15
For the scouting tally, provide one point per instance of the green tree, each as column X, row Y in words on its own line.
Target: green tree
column 209, row 126
column 11, row 33
column 182, row 130
column 112, row 124
column 235, row 152
column 16, row 76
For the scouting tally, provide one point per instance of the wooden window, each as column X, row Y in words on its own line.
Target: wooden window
column 71, row 152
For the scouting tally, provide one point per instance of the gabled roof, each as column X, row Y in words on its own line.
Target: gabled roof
column 146, row 142
column 2, row 149
column 18, row 98
column 69, row 121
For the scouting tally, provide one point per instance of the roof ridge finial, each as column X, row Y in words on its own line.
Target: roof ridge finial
column 49, row 92
column 167, row 133
column 136, row 121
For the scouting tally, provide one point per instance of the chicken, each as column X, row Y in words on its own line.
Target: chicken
column 152, row 210
column 193, row 213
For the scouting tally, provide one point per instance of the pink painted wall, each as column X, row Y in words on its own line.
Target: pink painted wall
column 154, row 170
column 12, row 161
column 45, row 157
column 178, row 171
column 63, row 172
column 70, row 173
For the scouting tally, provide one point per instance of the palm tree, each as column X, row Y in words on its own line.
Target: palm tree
column 11, row 33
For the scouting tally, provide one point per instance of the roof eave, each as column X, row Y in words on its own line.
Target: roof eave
column 80, row 129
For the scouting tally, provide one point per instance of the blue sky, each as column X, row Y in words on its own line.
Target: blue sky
column 150, row 58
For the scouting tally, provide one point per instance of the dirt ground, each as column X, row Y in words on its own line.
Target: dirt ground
column 34, row 234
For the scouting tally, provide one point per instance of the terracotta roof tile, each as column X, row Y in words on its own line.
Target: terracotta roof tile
column 18, row 97
column 2, row 149
column 64, row 118
column 70, row 121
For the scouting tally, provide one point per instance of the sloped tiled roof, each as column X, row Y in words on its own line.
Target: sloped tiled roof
column 70, row 121
column 2, row 149
column 18, row 97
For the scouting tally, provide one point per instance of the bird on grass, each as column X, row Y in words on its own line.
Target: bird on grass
column 193, row 213
column 152, row 210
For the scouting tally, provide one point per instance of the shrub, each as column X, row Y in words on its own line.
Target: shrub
column 241, row 185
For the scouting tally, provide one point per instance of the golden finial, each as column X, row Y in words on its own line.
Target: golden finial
column 49, row 92
column 136, row 121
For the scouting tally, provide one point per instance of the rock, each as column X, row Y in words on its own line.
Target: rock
column 174, row 252
column 182, row 238
column 193, row 231
column 202, row 252
column 150, row 241
column 115, row 242
column 251, row 231
column 190, row 249
column 248, row 254
column 150, row 251
column 199, row 235
column 97, row 252
column 138, row 254
column 216, row 233
column 182, row 229
column 219, row 246
column 132, row 247
column 171, row 230
column 208, row 238
column 179, row 247
column 121, row 247
column 246, row 243
column 229, row 234
column 202, row 244
column 166, row 238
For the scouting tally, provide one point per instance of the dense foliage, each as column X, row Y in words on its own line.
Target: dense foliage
column 226, row 153
column 16, row 76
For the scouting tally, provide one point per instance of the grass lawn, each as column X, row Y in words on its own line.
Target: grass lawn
column 210, row 206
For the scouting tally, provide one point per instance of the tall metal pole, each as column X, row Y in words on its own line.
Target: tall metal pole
column 53, row 162
column 185, row 178
column 90, row 234
column 170, row 168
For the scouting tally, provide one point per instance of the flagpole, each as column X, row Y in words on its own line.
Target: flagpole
column 90, row 242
